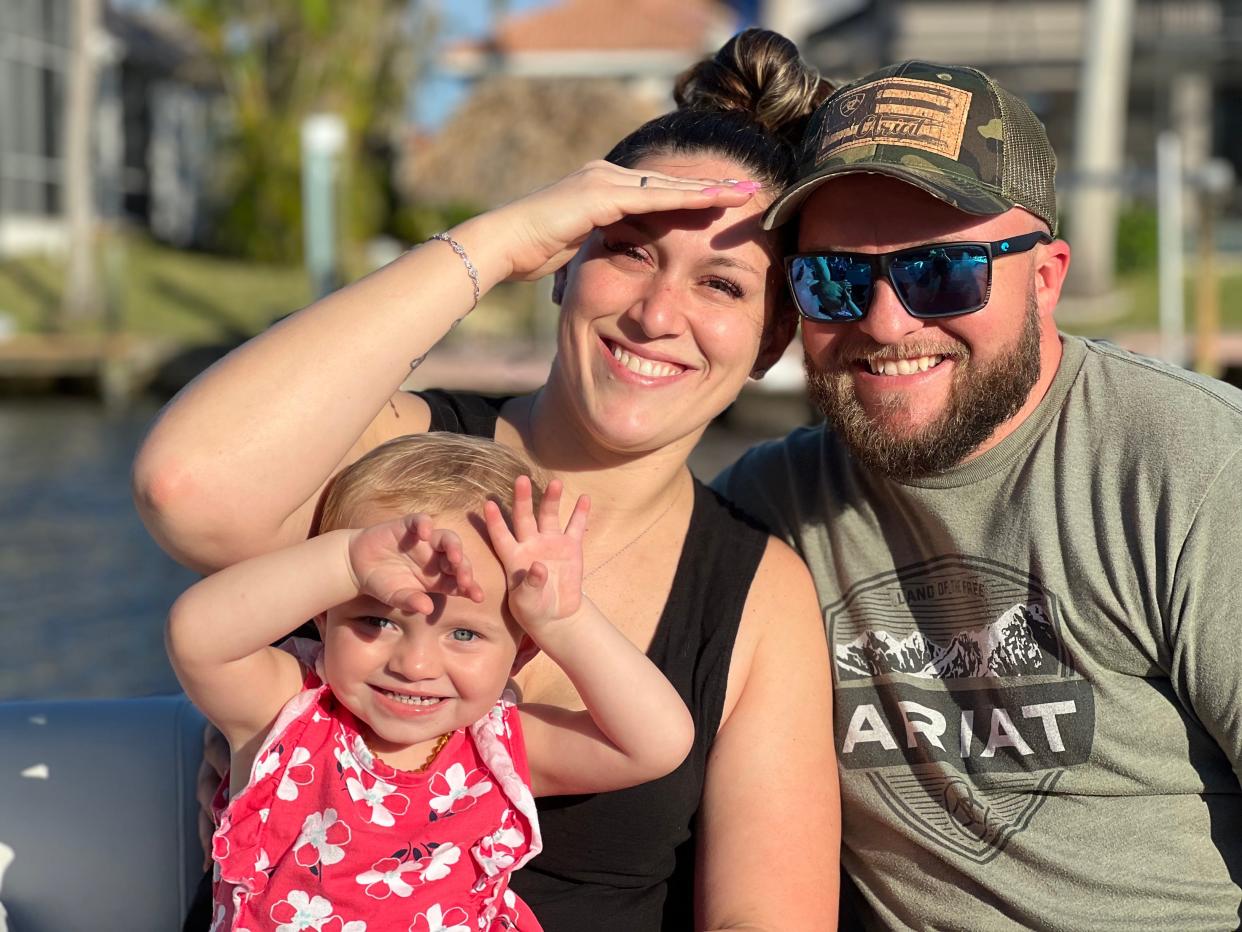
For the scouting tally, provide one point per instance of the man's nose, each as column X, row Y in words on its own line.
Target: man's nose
column 887, row 321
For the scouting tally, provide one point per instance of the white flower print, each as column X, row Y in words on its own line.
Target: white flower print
column 381, row 797
column 451, row 786
column 437, row 920
column 345, row 758
column 263, row 814
column 326, row 837
column 217, row 923
column 300, row 911
column 267, row 764
column 298, row 773
column 442, row 859
column 386, row 877
column 362, row 753
column 261, row 863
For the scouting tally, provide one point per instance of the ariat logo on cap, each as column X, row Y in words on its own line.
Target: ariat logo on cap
column 898, row 111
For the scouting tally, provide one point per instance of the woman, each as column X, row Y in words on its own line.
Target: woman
column 670, row 300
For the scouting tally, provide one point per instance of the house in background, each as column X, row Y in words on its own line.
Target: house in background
column 556, row 86
column 152, row 129
column 1185, row 67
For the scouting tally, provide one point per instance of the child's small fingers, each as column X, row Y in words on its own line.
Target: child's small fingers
column 420, row 525
column 524, row 525
column 497, row 530
column 550, row 507
column 577, row 525
column 449, row 544
column 413, row 601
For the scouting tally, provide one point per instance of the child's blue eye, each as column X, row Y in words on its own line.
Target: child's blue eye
column 464, row 635
column 375, row 621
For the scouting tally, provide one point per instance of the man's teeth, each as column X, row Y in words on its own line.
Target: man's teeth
column 412, row 700
column 903, row 366
column 643, row 366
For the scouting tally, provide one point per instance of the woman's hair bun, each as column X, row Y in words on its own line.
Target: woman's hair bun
column 760, row 73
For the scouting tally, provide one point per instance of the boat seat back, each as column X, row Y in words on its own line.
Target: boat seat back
column 98, row 818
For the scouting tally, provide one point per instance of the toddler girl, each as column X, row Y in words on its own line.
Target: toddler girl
column 382, row 780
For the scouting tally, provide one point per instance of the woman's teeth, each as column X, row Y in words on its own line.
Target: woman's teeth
column 411, row 700
column 903, row 366
column 643, row 366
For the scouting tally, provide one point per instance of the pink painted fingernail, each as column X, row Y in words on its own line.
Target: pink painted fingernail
column 747, row 186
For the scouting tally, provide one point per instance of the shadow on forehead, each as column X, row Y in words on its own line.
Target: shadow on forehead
column 877, row 208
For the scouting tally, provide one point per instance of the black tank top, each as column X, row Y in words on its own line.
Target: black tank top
column 624, row 861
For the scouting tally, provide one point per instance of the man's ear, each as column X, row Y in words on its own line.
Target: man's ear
column 559, row 278
column 777, row 339
column 526, row 652
column 1051, row 266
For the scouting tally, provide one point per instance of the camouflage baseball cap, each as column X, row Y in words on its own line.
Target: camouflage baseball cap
column 948, row 129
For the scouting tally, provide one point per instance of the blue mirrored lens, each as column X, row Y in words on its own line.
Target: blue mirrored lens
column 942, row 281
column 830, row 288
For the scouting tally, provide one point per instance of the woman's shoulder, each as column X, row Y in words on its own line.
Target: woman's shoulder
column 714, row 509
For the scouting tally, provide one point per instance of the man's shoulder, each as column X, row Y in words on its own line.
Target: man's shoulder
column 1152, row 386
column 778, row 480
column 797, row 450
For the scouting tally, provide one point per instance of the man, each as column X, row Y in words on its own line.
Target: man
column 1026, row 544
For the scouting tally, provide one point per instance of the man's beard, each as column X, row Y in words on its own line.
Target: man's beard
column 981, row 398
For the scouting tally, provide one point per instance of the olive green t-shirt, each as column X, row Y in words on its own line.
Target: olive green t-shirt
column 1037, row 656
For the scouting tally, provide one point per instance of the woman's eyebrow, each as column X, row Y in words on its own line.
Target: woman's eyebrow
column 731, row 263
column 717, row 260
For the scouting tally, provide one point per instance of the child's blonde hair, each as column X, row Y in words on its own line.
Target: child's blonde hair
column 437, row 473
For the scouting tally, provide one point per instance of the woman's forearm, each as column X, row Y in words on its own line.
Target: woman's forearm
column 243, row 451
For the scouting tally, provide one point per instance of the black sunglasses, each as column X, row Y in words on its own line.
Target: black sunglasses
column 934, row 280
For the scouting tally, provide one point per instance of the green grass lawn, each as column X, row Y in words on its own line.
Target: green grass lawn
column 153, row 289
column 194, row 298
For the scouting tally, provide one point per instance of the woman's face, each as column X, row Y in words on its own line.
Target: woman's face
column 664, row 315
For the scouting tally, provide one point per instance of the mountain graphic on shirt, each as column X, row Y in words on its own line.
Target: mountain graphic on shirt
column 1019, row 643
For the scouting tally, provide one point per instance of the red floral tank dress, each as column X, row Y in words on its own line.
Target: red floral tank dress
column 327, row 837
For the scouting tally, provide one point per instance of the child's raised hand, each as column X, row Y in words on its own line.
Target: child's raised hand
column 543, row 564
column 400, row 562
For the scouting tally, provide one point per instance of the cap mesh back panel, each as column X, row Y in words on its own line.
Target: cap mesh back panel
column 1030, row 164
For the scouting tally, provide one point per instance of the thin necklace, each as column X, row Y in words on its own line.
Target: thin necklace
column 641, row 534
column 435, row 751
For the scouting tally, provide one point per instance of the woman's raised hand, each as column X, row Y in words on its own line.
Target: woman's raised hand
column 400, row 562
column 543, row 564
column 550, row 224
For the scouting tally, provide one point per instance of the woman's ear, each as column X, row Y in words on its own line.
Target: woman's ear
column 526, row 652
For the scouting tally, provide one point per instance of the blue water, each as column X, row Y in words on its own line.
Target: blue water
column 83, row 589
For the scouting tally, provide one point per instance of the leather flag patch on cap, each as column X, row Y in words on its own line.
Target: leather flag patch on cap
column 900, row 112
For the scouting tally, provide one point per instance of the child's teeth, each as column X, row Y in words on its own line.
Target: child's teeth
column 412, row 700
